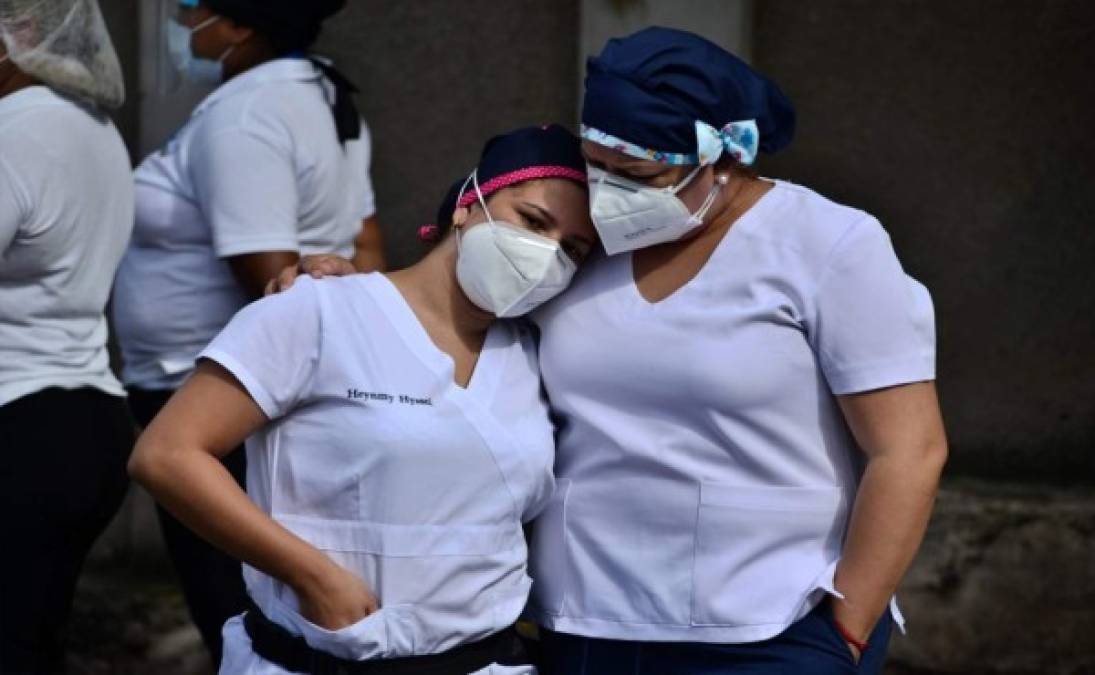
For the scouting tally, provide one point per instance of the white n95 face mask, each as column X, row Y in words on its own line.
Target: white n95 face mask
column 194, row 69
column 629, row 215
column 507, row 270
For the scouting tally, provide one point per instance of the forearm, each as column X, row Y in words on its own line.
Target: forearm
column 197, row 489
column 254, row 270
column 369, row 248
column 369, row 260
column 891, row 513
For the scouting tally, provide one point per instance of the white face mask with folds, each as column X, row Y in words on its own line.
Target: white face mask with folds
column 507, row 270
column 629, row 215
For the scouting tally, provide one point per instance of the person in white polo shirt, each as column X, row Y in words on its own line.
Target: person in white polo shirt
column 397, row 438
column 66, row 213
column 273, row 164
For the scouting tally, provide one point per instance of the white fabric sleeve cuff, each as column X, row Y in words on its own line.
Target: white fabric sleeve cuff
column 243, row 246
column 257, row 392
column 889, row 373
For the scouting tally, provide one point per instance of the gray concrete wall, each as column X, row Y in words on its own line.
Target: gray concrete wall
column 121, row 21
column 966, row 127
column 438, row 79
column 728, row 23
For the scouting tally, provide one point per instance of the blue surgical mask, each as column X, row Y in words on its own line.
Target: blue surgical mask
column 193, row 68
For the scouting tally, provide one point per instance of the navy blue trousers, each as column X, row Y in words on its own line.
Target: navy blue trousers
column 810, row 646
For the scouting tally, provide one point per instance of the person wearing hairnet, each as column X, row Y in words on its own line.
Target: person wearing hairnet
column 273, row 164
column 66, row 213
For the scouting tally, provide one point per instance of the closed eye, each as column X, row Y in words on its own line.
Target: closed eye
column 535, row 223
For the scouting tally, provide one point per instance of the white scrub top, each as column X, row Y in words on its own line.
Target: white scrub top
column 258, row 167
column 705, row 472
column 377, row 458
column 66, row 213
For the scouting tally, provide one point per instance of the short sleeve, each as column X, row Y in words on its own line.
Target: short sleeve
column 874, row 325
column 13, row 205
column 367, row 202
column 272, row 347
column 247, row 189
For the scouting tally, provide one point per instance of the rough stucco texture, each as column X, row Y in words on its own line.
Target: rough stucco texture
column 966, row 128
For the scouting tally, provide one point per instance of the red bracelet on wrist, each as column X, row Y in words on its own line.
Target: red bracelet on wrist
column 861, row 645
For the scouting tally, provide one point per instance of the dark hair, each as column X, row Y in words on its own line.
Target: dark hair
column 289, row 25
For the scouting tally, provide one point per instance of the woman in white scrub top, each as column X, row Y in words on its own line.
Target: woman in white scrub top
column 397, row 439
column 750, row 441
column 272, row 164
column 66, row 213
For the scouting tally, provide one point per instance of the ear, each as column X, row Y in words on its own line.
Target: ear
column 459, row 217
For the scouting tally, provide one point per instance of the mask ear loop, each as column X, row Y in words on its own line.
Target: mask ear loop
column 460, row 231
column 206, row 24
column 720, row 182
column 687, row 179
column 474, row 180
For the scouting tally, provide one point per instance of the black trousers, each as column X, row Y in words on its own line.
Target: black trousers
column 63, row 476
column 211, row 580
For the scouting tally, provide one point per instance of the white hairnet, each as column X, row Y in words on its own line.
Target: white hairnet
column 65, row 44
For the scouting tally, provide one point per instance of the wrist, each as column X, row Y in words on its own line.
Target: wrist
column 312, row 578
column 856, row 638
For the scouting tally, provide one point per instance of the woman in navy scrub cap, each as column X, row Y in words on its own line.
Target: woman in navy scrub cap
column 750, row 440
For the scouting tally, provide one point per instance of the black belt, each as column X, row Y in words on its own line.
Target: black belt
column 280, row 647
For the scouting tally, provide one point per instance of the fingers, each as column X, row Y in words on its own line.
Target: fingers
column 287, row 277
column 320, row 266
column 282, row 282
column 314, row 265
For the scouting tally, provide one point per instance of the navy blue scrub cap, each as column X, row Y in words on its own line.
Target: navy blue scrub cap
column 290, row 25
column 531, row 153
column 674, row 97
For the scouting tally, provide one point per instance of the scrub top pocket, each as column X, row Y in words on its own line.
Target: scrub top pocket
column 748, row 536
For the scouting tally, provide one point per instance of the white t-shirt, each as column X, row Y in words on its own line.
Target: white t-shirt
column 258, row 167
column 376, row 457
column 66, row 212
column 705, row 472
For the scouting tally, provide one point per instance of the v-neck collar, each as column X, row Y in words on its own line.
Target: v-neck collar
column 757, row 211
column 487, row 373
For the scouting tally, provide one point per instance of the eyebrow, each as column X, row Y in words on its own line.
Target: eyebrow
column 547, row 216
column 544, row 212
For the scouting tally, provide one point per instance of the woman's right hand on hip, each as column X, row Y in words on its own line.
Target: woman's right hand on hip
column 337, row 600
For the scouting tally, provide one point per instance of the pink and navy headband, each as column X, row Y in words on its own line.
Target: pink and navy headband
column 531, row 153
column 520, row 176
